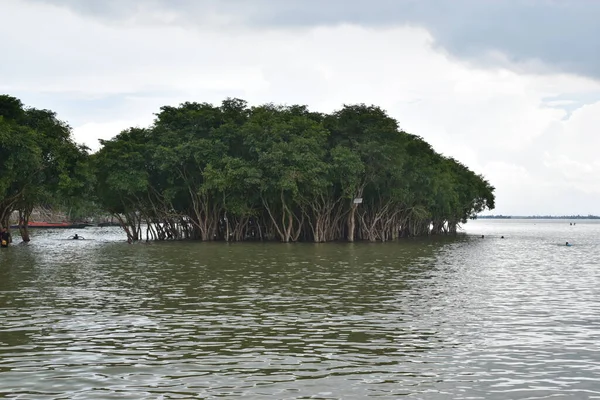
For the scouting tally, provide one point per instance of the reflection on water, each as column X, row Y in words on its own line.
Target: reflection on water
column 447, row 318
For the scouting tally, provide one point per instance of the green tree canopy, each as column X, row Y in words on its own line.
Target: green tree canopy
column 234, row 172
column 40, row 163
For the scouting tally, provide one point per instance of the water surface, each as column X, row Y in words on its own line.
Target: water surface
column 441, row 318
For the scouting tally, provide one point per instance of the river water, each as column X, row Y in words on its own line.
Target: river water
column 445, row 318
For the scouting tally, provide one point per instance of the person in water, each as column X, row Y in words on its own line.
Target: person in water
column 567, row 244
column 76, row 236
column 5, row 237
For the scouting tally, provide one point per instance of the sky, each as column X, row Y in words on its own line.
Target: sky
column 509, row 87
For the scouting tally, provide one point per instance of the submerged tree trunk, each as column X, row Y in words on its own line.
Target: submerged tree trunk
column 351, row 222
column 24, row 223
column 130, row 226
column 285, row 227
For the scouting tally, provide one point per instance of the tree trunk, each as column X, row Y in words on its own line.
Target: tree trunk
column 24, row 233
column 23, row 223
column 351, row 222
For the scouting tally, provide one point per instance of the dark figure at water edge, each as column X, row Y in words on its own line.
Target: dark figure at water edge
column 76, row 236
column 482, row 236
column 5, row 238
column 501, row 237
column 567, row 244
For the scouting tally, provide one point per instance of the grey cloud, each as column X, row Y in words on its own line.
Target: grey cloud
column 563, row 35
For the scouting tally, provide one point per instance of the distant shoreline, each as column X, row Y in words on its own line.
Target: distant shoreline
column 538, row 217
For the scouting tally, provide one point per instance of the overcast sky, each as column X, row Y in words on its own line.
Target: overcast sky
column 509, row 87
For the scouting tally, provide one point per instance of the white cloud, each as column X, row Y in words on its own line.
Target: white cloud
column 574, row 159
column 90, row 133
column 497, row 121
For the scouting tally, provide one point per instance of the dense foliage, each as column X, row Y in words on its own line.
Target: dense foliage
column 40, row 164
column 237, row 173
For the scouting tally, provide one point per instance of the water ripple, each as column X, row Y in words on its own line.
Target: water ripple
column 461, row 318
